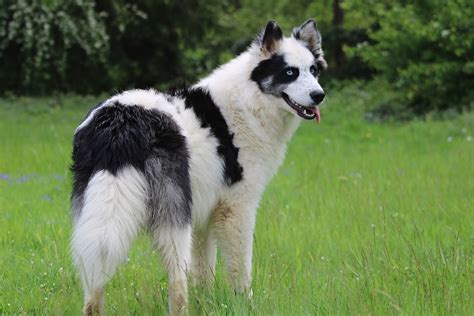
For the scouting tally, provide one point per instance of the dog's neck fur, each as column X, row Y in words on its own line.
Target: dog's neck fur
column 261, row 127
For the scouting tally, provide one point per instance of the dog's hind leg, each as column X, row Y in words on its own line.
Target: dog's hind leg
column 112, row 214
column 170, row 220
column 174, row 244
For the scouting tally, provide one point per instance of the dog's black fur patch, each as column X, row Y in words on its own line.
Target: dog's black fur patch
column 211, row 117
column 148, row 140
column 276, row 68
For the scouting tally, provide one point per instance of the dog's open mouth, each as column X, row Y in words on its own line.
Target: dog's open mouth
column 306, row 112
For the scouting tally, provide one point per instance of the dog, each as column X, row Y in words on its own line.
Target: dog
column 190, row 166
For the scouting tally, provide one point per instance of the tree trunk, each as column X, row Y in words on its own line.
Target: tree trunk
column 337, row 21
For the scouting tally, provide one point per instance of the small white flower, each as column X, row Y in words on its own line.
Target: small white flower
column 469, row 138
column 450, row 139
column 250, row 294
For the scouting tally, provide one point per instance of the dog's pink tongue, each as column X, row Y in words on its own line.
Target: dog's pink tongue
column 315, row 110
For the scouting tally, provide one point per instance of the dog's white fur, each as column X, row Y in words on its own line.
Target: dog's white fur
column 114, row 211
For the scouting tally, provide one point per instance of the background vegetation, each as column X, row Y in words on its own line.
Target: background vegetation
column 423, row 51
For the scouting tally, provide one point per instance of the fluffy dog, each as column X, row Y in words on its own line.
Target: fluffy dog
column 190, row 166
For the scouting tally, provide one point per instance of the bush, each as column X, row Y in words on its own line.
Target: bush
column 89, row 46
column 426, row 51
column 44, row 46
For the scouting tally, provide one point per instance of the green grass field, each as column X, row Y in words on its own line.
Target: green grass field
column 362, row 218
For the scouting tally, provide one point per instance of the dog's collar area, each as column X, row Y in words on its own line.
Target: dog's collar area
column 305, row 112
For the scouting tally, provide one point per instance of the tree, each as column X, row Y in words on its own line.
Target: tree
column 43, row 45
column 426, row 51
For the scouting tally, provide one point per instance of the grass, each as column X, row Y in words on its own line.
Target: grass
column 362, row 218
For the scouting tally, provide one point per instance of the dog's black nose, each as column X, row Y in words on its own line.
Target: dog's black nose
column 317, row 96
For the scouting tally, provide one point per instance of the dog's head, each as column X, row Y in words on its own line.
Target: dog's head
column 289, row 68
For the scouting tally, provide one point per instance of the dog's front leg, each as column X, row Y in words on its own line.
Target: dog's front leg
column 234, row 227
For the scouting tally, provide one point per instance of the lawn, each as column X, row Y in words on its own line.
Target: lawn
column 362, row 218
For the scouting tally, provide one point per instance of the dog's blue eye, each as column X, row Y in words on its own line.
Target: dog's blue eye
column 289, row 74
column 313, row 70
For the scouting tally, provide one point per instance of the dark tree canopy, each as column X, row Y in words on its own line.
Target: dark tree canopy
column 423, row 50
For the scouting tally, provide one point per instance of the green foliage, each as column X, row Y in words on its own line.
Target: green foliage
column 421, row 51
column 92, row 46
column 157, row 42
column 43, row 45
column 426, row 51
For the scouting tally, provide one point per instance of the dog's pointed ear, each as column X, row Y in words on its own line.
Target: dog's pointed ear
column 270, row 38
column 308, row 33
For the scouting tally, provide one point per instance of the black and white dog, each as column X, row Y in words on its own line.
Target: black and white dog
column 190, row 166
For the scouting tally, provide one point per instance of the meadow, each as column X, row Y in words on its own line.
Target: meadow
column 362, row 218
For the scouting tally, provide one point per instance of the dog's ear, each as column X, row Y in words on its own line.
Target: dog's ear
column 270, row 38
column 308, row 33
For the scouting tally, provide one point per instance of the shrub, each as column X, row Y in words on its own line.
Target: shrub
column 89, row 46
column 426, row 52
column 44, row 45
